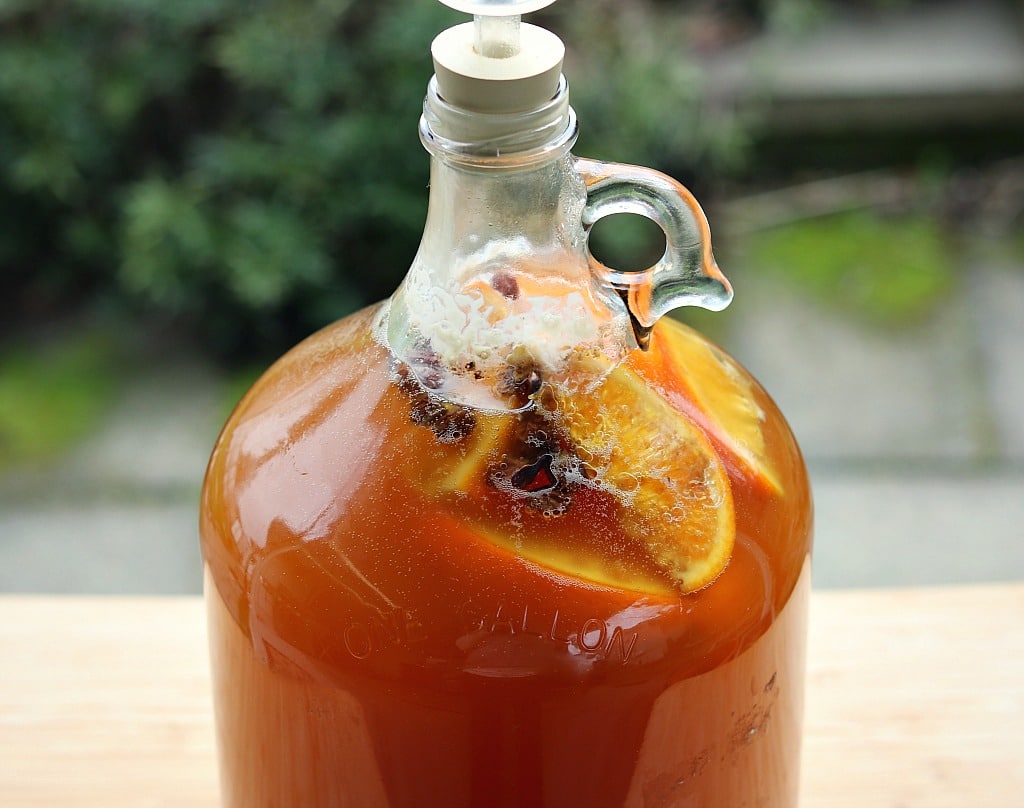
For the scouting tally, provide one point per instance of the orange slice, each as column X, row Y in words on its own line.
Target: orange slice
column 676, row 500
column 677, row 496
column 466, row 466
column 724, row 393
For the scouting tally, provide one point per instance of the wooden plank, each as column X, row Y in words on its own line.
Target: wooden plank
column 915, row 698
column 105, row 702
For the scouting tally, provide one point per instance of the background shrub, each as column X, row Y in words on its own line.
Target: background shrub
column 251, row 170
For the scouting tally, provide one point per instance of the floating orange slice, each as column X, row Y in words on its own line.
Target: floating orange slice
column 461, row 477
column 676, row 505
column 677, row 495
column 466, row 466
column 722, row 391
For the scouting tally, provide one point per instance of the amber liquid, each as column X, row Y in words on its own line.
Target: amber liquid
column 373, row 646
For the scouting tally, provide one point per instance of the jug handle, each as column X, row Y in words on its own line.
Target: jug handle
column 686, row 275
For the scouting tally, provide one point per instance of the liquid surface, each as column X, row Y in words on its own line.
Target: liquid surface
column 398, row 620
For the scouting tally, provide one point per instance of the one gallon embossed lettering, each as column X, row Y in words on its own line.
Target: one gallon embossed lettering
column 510, row 538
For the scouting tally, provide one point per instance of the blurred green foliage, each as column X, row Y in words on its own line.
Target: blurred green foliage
column 640, row 95
column 251, row 170
column 887, row 271
column 53, row 394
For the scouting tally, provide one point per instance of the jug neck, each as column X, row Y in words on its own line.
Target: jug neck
column 523, row 220
column 502, row 277
column 502, row 181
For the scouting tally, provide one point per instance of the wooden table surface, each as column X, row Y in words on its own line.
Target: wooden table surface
column 914, row 698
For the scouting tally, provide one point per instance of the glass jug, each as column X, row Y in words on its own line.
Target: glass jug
column 512, row 537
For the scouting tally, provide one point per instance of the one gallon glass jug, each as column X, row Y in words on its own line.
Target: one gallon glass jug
column 512, row 537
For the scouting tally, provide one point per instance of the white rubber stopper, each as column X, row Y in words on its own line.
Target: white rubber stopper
column 502, row 82
column 497, row 64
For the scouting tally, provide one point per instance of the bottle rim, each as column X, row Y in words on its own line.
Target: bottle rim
column 497, row 141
